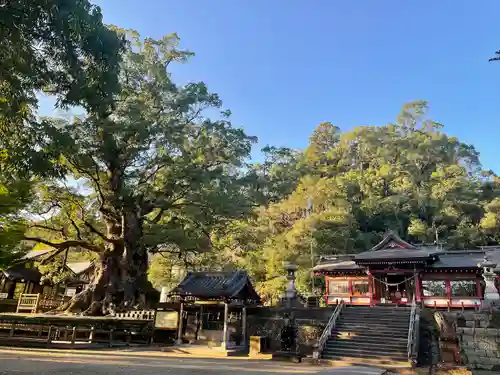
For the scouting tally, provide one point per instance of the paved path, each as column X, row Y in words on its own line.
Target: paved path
column 18, row 361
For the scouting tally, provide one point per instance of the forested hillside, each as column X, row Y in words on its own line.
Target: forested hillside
column 408, row 176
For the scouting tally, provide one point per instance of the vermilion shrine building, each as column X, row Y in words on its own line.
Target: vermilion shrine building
column 395, row 272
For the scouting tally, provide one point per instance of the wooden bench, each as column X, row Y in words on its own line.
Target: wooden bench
column 28, row 302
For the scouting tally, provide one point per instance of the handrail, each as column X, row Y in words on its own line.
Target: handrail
column 327, row 332
column 411, row 328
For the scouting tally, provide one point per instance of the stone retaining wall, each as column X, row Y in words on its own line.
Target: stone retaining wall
column 479, row 337
column 269, row 322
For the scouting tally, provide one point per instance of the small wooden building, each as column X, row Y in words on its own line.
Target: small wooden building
column 395, row 271
column 213, row 307
column 25, row 278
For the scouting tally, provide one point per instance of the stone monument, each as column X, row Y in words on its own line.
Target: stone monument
column 491, row 296
column 290, row 298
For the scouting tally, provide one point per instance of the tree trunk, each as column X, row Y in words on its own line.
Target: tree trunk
column 120, row 280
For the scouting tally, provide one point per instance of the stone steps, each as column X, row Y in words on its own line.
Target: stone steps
column 367, row 339
column 375, row 325
column 343, row 361
column 366, row 352
column 381, row 334
column 339, row 343
column 370, row 336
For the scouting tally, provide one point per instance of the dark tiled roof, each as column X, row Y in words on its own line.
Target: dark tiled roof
column 396, row 254
column 216, row 285
column 464, row 258
column 336, row 263
column 20, row 272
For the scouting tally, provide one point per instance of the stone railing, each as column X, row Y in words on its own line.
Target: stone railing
column 327, row 332
column 412, row 330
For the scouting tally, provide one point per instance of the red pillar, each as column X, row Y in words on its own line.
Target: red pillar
column 479, row 289
column 327, row 279
column 418, row 287
column 448, row 290
column 371, row 286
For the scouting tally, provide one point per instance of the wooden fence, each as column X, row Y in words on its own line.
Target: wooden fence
column 74, row 331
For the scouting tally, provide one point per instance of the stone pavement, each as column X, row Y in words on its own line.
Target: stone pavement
column 19, row 361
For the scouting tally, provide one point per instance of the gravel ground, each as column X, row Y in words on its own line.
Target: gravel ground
column 15, row 361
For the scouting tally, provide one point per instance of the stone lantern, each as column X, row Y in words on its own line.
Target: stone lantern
column 491, row 295
column 291, row 291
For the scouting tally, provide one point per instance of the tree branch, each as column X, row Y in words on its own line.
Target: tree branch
column 98, row 232
column 59, row 230
column 65, row 244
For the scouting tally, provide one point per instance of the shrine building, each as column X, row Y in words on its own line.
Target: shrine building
column 396, row 272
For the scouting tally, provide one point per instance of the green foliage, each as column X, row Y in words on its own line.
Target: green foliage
column 63, row 49
column 58, row 47
column 408, row 176
column 156, row 175
column 15, row 194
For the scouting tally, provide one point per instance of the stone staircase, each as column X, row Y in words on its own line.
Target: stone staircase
column 374, row 336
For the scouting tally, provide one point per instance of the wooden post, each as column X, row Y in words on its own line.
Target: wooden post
column 418, row 292
column 244, row 326
column 111, row 337
column 49, row 335
column 225, row 334
column 91, row 335
column 199, row 323
column 179, row 331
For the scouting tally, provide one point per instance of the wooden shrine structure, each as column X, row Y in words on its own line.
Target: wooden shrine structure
column 395, row 271
column 212, row 307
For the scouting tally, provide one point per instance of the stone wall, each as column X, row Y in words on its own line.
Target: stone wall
column 269, row 322
column 479, row 338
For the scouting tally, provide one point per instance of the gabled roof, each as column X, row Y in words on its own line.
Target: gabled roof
column 392, row 247
column 392, row 241
column 338, row 263
column 234, row 285
column 79, row 267
column 20, row 272
column 34, row 254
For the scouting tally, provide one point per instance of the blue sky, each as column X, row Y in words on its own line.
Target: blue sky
column 284, row 66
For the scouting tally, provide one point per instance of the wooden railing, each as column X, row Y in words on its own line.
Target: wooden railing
column 136, row 315
column 327, row 332
column 413, row 331
column 28, row 302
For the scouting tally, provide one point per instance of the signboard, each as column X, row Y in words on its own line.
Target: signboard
column 4, row 295
column 70, row 292
column 166, row 320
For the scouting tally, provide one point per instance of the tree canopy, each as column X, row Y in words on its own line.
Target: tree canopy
column 407, row 176
column 155, row 175
column 61, row 48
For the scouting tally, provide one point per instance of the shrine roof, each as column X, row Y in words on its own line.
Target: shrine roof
column 20, row 272
column 79, row 267
column 412, row 254
column 336, row 263
column 458, row 259
column 235, row 285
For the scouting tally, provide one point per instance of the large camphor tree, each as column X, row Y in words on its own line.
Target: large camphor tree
column 156, row 174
